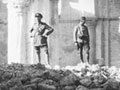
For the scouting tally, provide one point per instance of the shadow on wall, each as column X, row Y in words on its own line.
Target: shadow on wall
column 108, row 26
column 3, row 33
column 115, row 32
column 114, row 40
column 109, row 40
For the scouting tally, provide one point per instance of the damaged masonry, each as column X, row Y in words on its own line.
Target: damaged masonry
column 38, row 77
column 104, row 26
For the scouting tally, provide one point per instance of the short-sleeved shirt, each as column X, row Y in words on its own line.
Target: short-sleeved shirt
column 38, row 31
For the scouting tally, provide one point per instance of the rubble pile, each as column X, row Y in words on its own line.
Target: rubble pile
column 39, row 77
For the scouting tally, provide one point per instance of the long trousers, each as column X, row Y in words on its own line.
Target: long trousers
column 84, row 48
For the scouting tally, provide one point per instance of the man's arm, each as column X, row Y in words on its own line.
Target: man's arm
column 31, row 32
column 48, row 30
column 88, row 33
column 75, row 34
column 75, row 37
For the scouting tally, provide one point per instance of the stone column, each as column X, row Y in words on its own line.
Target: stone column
column 54, row 43
column 16, row 30
column 107, row 36
column 100, row 41
column 91, row 22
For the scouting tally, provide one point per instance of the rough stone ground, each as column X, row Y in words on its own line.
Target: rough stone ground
column 38, row 77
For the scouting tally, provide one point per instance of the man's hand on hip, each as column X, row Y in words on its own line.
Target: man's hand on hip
column 76, row 43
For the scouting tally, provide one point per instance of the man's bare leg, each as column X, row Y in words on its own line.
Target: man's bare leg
column 81, row 54
column 39, row 57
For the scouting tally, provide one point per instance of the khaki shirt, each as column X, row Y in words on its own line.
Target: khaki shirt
column 40, row 33
column 80, row 32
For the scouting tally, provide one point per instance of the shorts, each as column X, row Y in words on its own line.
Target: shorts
column 44, row 48
column 85, row 45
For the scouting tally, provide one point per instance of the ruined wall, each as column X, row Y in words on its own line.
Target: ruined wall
column 108, row 12
column 104, row 32
column 64, row 51
column 103, row 27
column 114, row 10
column 3, row 33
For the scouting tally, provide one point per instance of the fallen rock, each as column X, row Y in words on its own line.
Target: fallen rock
column 30, row 86
column 86, row 81
column 48, row 82
column 71, row 79
column 80, row 87
column 53, row 75
column 97, row 89
column 13, row 82
column 69, row 87
column 46, row 87
column 36, row 80
column 3, row 87
column 111, row 85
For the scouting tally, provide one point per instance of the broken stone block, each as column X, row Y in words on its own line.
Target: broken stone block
column 36, row 80
column 30, row 86
column 15, row 88
column 53, row 75
column 48, row 82
column 80, row 87
column 38, row 66
column 111, row 85
column 67, row 72
column 38, row 74
column 46, row 87
column 96, row 89
column 19, row 74
column 1, row 72
column 86, row 81
column 25, row 79
column 69, row 87
column 7, row 75
column 3, row 87
column 71, row 79
column 13, row 82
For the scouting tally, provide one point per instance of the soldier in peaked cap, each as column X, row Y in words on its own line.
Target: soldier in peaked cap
column 40, row 31
column 39, row 15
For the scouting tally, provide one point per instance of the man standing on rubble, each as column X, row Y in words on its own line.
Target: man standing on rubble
column 82, row 39
column 40, row 31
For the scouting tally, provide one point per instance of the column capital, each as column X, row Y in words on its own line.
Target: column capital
column 18, row 6
column 18, row 3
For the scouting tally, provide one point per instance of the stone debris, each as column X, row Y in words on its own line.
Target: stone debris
column 38, row 77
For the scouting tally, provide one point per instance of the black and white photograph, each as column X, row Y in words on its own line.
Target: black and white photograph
column 59, row 44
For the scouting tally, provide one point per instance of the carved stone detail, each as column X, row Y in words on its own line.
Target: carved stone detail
column 18, row 5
